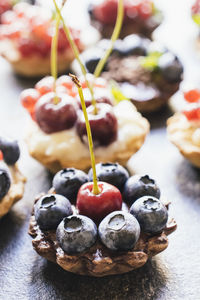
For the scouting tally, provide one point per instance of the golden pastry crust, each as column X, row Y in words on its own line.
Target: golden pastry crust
column 15, row 192
column 181, row 137
column 99, row 261
column 54, row 161
column 33, row 66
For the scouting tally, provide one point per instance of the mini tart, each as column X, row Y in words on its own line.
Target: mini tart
column 34, row 65
column 15, row 192
column 65, row 149
column 146, row 87
column 185, row 135
column 99, row 261
column 137, row 25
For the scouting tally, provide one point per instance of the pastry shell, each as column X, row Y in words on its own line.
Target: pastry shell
column 99, row 261
column 15, row 192
column 182, row 138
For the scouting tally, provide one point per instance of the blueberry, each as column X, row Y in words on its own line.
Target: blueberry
column 5, row 182
column 137, row 186
column 76, row 234
column 119, row 231
column 150, row 213
column 91, row 58
column 170, row 67
column 10, row 150
column 50, row 210
column 68, row 181
column 132, row 45
column 112, row 173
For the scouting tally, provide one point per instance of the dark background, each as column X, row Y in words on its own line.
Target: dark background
column 175, row 273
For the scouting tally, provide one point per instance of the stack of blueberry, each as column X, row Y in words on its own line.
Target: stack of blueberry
column 117, row 229
column 10, row 152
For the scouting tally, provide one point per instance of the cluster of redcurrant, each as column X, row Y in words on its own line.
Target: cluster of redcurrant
column 192, row 97
column 31, row 29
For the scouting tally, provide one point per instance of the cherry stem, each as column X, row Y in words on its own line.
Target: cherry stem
column 77, row 55
column 114, row 37
column 95, row 190
column 54, row 48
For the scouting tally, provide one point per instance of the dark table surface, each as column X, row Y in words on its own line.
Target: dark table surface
column 173, row 274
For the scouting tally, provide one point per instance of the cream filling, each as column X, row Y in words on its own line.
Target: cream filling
column 67, row 145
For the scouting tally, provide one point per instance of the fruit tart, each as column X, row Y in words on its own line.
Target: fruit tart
column 11, row 179
column 147, row 73
column 140, row 17
column 99, row 234
column 184, row 127
column 25, row 40
column 56, row 136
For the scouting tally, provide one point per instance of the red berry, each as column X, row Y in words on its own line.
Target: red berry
column 106, row 12
column 145, row 9
column 192, row 95
column 98, row 206
column 196, row 8
column 193, row 114
column 45, row 85
column 27, row 47
column 53, row 117
column 29, row 97
column 1, row 155
column 103, row 125
column 65, row 81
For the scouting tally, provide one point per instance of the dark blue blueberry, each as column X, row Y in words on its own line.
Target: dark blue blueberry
column 10, row 150
column 5, row 183
column 76, row 234
column 137, row 186
column 112, row 173
column 50, row 210
column 119, row 231
column 150, row 213
column 170, row 67
column 131, row 45
column 91, row 57
column 68, row 181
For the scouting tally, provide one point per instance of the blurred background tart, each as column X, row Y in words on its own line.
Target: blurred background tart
column 25, row 40
column 147, row 73
column 140, row 17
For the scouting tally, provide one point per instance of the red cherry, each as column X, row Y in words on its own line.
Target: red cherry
column 55, row 117
column 192, row 95
column 103, row 124
column 193, row 114
column 98, row 206
column 29, row 98
column 106, row 12
column 45, row 85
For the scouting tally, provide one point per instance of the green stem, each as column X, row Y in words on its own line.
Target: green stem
column 77, row 55
column 54, row 47
column 115, row 35
column 95, row 190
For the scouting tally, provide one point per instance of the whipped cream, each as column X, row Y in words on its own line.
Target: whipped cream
column 67, row 145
